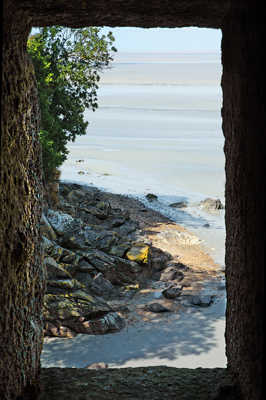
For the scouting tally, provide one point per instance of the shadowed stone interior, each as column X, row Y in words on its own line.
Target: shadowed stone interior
column 22, row 279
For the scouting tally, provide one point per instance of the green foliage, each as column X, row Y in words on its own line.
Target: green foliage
column 67, row 65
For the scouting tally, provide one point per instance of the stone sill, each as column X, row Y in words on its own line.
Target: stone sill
column 143, row 383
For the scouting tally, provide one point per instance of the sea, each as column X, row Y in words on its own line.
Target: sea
column 158, row 129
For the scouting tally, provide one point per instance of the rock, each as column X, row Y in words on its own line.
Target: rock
column 117, row 270
column 120, row 249
column 101, row 210
column 85, row 279
column 126, row 229
column 76, row 196
column 179, row 204
column 67, row 208
column 106, row 240
column 170, row 274
column 202, row 300
column 151, row 197
column 178, row 265
column 68, row 260
column 72, row 306
column 111, row 322
column 117, row 221
column 58, row 330
column 65, row 284
column 138, row 253
column 211, row 204
column 158, row 258
column 70, row 257
column 52, row 249
column 101, row 286
column 99, row 365
column 84, row 266
column 46, row 229
column 63, row 224
column 172, row 291
column 156, row 308
column 82, row 239
column 54, row 270
column 78, row 312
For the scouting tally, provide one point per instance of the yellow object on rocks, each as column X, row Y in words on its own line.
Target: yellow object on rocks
column 139, row 253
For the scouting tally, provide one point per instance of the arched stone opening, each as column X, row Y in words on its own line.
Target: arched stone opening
column 22, row 281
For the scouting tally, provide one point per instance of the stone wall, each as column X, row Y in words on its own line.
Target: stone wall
column 169, row 13
column 22, row 280
column 243, row 115
column 21, row 275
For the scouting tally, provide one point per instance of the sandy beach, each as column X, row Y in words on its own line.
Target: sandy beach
column 189, row 336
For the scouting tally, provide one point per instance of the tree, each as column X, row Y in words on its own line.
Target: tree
column 67, row 65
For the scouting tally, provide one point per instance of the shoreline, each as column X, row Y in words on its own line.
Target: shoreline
column 208, row 227
column 125, row 348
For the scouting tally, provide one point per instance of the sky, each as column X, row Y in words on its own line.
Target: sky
column 166, row 39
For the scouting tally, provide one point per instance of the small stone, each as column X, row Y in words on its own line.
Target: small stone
column 179, row 204
column 159, row 258
column 156, row 308
column 170, row 274
column 151, row 197
column 202, row 300
column 211, row 204
column 172, row 291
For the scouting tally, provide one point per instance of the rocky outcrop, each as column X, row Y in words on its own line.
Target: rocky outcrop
column 91, row 256
column 97, row 257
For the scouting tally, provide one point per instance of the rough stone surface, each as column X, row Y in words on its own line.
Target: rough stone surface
column 22, row 278
column 147, row 383
column 243, row 125
column 201, row 13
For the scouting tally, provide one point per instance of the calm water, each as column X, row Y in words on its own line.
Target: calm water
column 158, row 129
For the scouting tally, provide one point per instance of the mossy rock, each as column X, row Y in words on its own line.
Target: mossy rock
column 66, row 284
column 55, row 270
column 74, row 305
column 120, row 249
column 139, row 253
